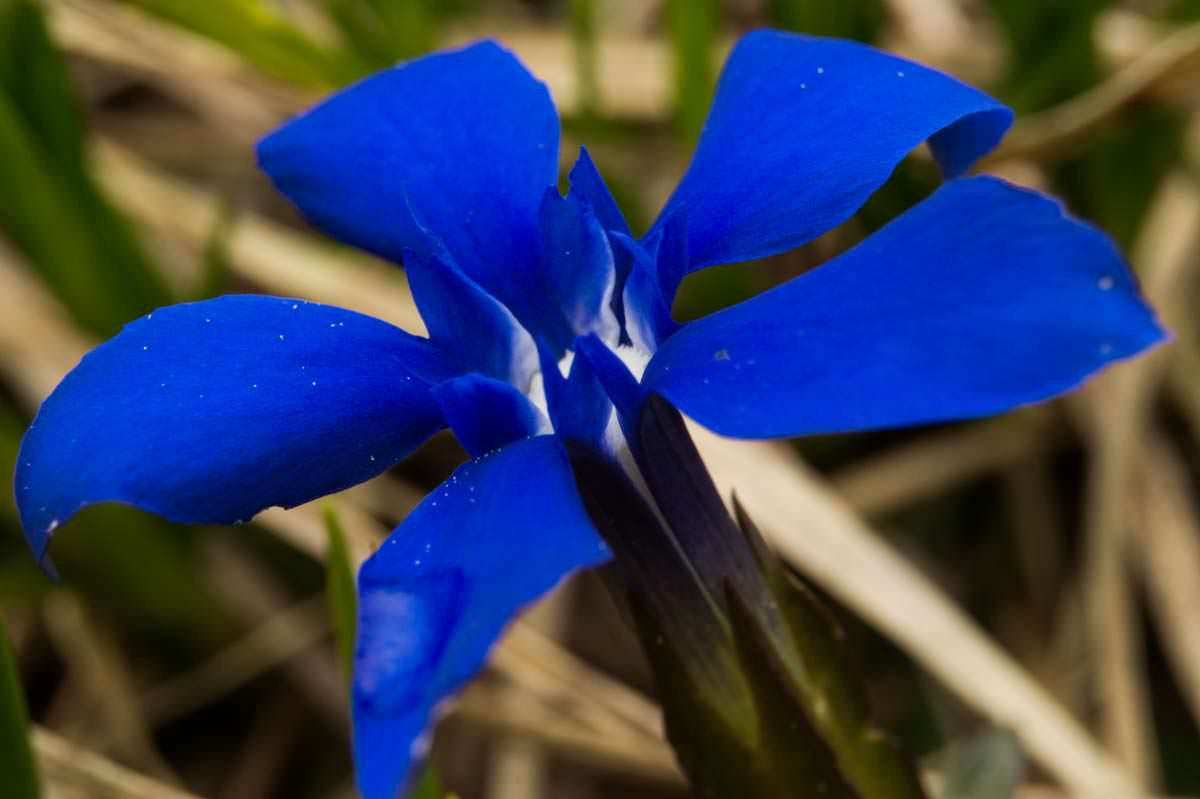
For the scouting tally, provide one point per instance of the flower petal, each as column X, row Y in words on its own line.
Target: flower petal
column 487, row 414
column 468, row 139
column 981, row 298
column 804, row 129
column 211, row 411
column 577, row 404
column 467, row 322
column 497, row 535
column 578, row 266
column 587, row 181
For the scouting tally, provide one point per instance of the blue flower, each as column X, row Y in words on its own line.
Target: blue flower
column 539, row 307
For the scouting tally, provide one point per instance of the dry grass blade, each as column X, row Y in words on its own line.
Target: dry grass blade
column 72, row 772
column 206, row 77
column 542, row 666
column 941, row 461
column 277, row 640
column 816, row 532
column 487, row 704
column 1170, row 561
column 1119, row 406
column 1053, row 132
column 106, row 686
column 265, row 253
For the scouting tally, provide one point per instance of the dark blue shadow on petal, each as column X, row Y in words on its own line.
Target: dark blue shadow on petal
column 468, row 137
column 803, row 130
column 212, row 411
column 981, row 298
column 578, row 406
column 502, row 531
column 487, row 414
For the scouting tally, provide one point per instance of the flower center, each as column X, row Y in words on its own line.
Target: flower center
column 634, row 358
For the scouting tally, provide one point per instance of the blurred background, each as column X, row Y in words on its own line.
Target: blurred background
column 175, row 662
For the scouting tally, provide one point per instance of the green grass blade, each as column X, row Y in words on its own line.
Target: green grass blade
column 16, row 755
column 262, row 37
column 693, row 25
column 339, row 588
column 60, row 220
column 583, row 39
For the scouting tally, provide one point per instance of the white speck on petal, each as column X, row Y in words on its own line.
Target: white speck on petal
column 721, row 355
column 295, row 306
column 899, row 74
column 803, row 85
column 281, row 337
column 1106, row 349
column 820, row 70
column 145, row 347
column 314, row 382
column 1105, row 283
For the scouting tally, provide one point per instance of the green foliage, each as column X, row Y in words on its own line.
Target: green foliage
column 1088, row 179
column 59, row 219
column 1053, row 56
column 857, row 20
column 693, row 25
column 339, row 588
column 214, row 275
column 261, row 36
column 429, row 786
column 16, row 755
column 383, row 32
column 583, row 38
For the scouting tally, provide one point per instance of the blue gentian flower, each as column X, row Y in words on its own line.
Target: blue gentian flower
column 981, row 298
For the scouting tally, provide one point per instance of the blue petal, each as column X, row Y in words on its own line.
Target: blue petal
column 578, row 406
column 487, row 414
column 647, row 305
column 804, row 129
column 467, row 322
column 211, row 411
column 982, row 298
column 497, row 535
column 589, row 184
column 577, row 265
column 469, row 138
column 622, row 388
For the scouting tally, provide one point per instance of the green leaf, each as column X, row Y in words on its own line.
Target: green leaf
column 339, row 588
column 16, row 755
column 59, row 220
column 262, row 37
